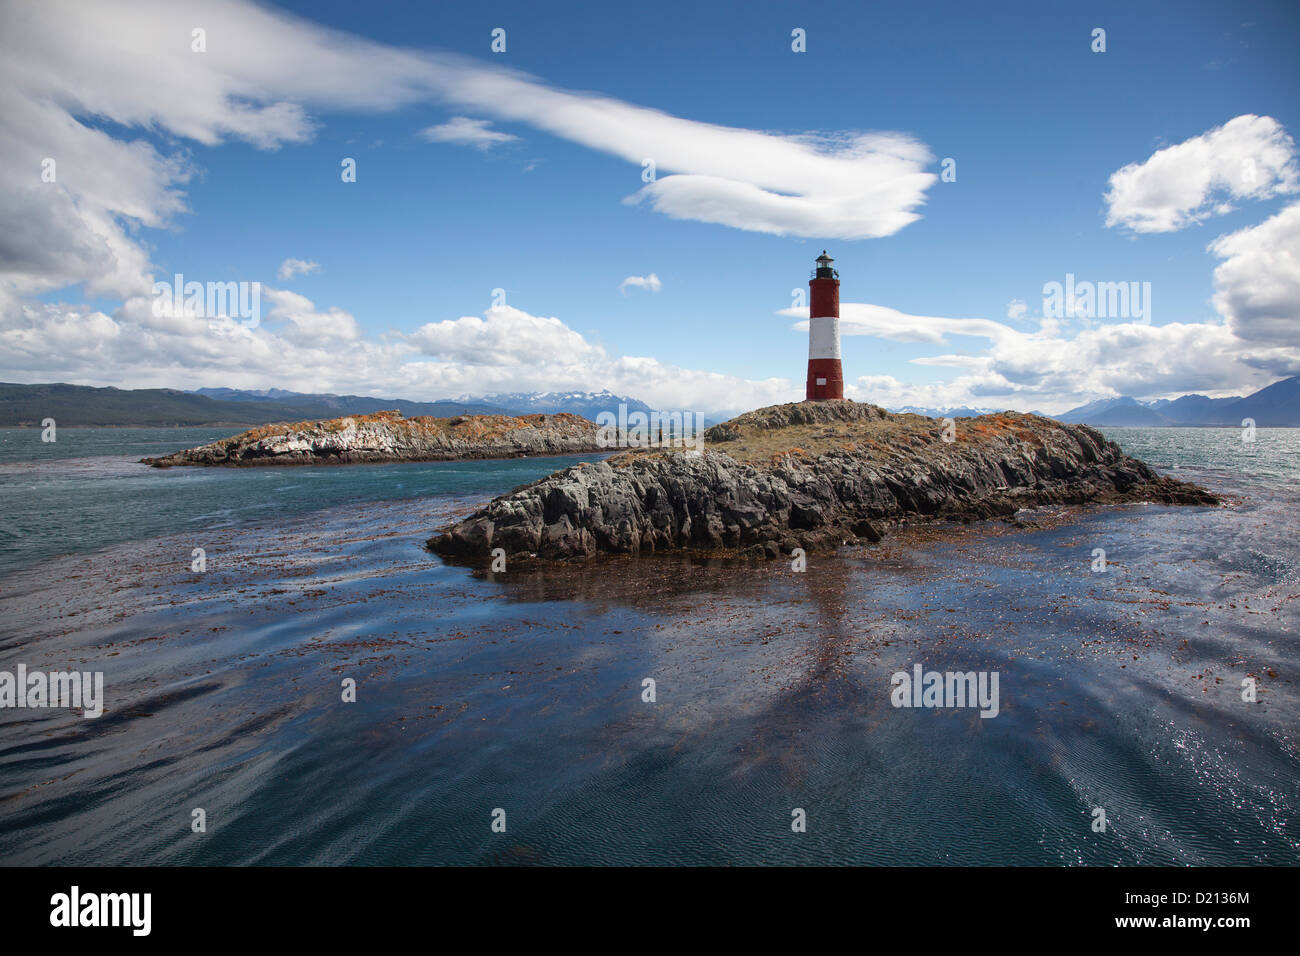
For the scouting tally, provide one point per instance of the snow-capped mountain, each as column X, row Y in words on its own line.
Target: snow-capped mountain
column 1276, row 405
column 586, row 404
column 961, row 411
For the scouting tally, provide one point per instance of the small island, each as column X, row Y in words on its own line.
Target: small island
column 388, row 437
column 811, row 475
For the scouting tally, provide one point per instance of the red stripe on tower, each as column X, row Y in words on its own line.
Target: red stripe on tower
column 825, row 375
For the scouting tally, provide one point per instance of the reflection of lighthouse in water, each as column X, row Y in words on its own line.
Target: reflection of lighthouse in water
column 825, row 376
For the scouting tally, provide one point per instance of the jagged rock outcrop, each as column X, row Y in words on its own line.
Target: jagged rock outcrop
column 809, row 475
column 387, row 436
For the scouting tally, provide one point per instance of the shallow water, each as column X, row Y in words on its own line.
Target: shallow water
column 523, row 691
column 88, row 490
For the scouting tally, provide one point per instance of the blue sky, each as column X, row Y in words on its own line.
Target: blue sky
column 1036, row 122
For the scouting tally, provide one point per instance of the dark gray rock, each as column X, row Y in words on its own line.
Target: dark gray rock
column 650, row 501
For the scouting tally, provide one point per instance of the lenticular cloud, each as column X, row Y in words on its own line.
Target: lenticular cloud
column 264, row 78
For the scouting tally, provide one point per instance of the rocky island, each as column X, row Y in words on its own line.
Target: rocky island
column 812, row 475
column 388, row 437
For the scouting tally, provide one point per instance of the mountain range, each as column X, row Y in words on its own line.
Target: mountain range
column 83, row 405
column 586, row 404
column 1275, row 405
column 958, row 411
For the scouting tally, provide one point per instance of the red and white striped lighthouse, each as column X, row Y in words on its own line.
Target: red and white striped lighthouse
column 825, row 376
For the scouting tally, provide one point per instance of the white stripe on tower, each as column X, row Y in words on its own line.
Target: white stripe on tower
column 824, row 337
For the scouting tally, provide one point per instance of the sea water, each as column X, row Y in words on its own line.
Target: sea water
column 522, row 696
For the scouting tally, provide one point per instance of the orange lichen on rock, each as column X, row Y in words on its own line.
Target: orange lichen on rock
column 784, row 476
column 387, row 436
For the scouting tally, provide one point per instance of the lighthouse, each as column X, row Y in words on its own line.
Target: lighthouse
column 825, row 376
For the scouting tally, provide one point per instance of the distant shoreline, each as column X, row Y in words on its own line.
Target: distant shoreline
column 37, row 426
column 388, row 437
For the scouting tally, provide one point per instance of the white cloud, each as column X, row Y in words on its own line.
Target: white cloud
column 1257, row 286
column 296, row 267
column 303, row 348
column 1056, row 367
column 650, row 283
column 265, row 71
column 467, row 132
column 1250, row 157
column 1016, row 310
column 506, row 336
column 861, row 318
column 305, row 324
column 53, row 234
